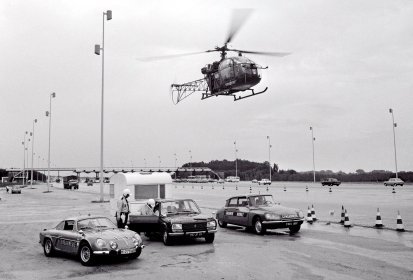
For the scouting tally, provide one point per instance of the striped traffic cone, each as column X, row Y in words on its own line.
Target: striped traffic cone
column 236, row 187
column 250, row 189
column 379, row 222
column 342, row 215
column 202, row 187
column 346, row 219
column 285, row 189
column 306, row 188
column 393, row 191
column 309, row 216
column 267, row 188
column 313, row 213
column 330, row 190
column 400, row 226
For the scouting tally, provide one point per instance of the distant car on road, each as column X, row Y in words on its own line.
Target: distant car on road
column 172, row 218
column 330, row 182
column 254, row 181
column 16, row 189
column 264, row 182
column 232, row 179
column 89, row 237
column 394, row 182
column 259, row 212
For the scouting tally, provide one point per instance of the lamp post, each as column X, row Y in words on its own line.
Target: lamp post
column 312, row 141
column 24, row 155
column 31, row 174
column 190, row 158
column 394, row 139
column 144, row 160
column 269, row 153
column 49, row 114
column 236, row 167
column 38, row 165
column 175, row 164
column 159, row 157
column 98, row 49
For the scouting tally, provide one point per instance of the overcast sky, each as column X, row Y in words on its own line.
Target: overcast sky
column 350, row 62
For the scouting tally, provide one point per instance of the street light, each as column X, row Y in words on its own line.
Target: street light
column 159, row 157
column 190, row 159
column 98, row 49
column 49, row 114
column 394, row 139
column 31, row 175
column 24, row 155
column 144, row 160
column 312, row 141
column 175, row 164
column 269, row 153
column 236, row 167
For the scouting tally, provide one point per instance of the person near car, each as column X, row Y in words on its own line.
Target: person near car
column 123, row 211
column 149, row 208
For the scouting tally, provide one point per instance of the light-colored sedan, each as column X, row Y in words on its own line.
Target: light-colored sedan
column 394, row 182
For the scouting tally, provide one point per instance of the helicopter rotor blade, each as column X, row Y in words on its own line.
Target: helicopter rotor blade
column 279, row 54
column 171, row 56
column 239, row 17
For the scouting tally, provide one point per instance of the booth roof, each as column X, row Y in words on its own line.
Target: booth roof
column 126, row 179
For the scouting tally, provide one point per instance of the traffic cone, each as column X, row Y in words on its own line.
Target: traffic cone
column 400, row 226
column 250, row 189
column 313, row 213
column 267, row 188
column 393, row 191
column 236, row 187
column 330, row 190
column 346, row 219
column 202, row 187
column 306, row 188
column 342, row 215
column 309, row 216
column 379, row 222
column 212, row 186
column 285, row 189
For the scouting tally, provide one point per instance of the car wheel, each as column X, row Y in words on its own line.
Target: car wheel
column 294, row 229
column 137, row 254
column 258, row 226
column 209, row 238
column 48, row 247
column 166, row 238
column 222, row 224
column 86, row 255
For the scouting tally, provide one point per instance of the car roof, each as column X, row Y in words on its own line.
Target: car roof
column 171, row 199
column 249, row 195
column 82, row 217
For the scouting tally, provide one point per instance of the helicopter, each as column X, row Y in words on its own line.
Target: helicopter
column 230, row 76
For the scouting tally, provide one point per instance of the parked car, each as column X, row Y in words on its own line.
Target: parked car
column 70, row 182
column 89, row 237
column 259, row 212
column 16, row 189
column 394, row 182
column 254, row 181
column 232, row 179
column 264, row 182
column 172, row 218
column 221, row 181
column 330, row 182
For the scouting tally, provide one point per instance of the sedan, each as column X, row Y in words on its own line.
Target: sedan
column 89, row 237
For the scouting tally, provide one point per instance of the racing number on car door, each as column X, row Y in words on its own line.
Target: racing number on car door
column 230, row 211
column 241, row 211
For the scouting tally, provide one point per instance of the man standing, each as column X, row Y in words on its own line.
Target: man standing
column 123, row 209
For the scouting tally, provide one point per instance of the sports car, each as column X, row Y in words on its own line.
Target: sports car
column 89, row 237
column 259, row 212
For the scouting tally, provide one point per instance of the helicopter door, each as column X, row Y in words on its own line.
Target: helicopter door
column 227, row 73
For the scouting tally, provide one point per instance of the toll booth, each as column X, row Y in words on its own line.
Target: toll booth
column 142, row 186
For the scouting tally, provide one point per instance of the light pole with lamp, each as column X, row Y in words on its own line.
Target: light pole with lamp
column 98, row 49
column 159, row 157
column 312, row 141
column 31, row 174
column 144, row 160
column 24, row 155
column 394, row 139
column 49, row 114
column 190, row 158
column 236, row 165
column 269, row 154
column 175, row 164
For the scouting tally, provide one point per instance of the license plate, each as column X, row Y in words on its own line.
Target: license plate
column 292, row 224
column 196, row 234
column 130, row 251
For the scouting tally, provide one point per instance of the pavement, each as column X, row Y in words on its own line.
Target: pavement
column 323, row 250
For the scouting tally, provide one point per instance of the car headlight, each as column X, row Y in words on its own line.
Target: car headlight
column 176, row 226
column 272, row 216
column 136, row 239
column 100, row 243
column 300, row 214
column 113, row 245
column 212, row 224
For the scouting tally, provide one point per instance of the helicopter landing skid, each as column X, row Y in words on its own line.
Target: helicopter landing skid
column 253, row 93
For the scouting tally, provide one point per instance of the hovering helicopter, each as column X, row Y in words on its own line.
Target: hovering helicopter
column 230, row 76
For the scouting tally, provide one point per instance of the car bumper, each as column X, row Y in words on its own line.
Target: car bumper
column 282, row 224
column 194, row 233
column 118, row 252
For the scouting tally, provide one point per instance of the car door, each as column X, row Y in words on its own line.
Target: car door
column 230, row 211
column 64, row 238
column 143, row 220
column 241, row 211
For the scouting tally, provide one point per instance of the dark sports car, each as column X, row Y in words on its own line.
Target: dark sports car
column 259, row 212
column 89, row 237
column 172, row 218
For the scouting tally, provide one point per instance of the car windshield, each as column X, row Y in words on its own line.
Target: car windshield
column 179, row 206
column 261, row 200
column 93, row 223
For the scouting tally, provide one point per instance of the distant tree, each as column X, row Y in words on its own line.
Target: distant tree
column 360, row 171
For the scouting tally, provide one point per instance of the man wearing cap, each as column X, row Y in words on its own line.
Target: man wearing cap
column 123, row 209
column 148, row 209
